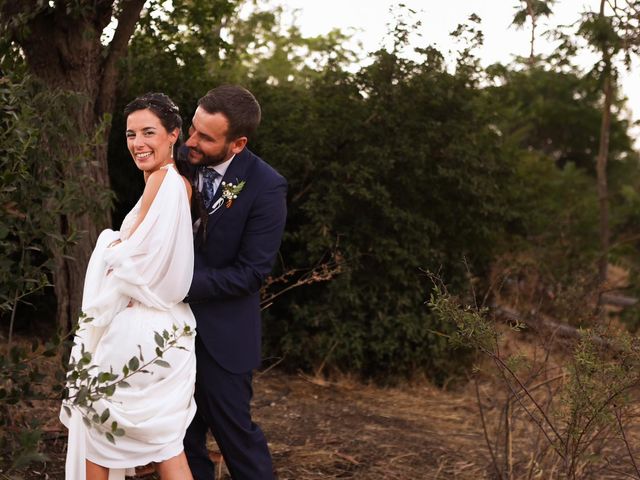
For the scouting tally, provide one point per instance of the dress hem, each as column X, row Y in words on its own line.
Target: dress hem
column 141, row 463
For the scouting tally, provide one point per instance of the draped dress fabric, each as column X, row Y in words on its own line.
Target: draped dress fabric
column 133, row 289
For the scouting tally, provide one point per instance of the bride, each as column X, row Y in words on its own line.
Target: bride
column 135, row 283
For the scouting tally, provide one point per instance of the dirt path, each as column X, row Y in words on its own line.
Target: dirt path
column 320, row 430
column 346, row 430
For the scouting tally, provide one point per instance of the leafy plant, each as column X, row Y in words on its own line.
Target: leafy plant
column 583, row 413
column 85, row 387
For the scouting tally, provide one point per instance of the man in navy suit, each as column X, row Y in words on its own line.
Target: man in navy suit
column 240, row 210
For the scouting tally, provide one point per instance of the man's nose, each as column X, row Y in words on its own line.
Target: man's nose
column 191, row 141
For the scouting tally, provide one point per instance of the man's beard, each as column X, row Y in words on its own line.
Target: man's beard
column 213, row 160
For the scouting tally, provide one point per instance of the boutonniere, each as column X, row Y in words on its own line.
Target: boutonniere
column 230, row 192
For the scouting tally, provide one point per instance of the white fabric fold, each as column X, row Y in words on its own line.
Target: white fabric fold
column 151, row 271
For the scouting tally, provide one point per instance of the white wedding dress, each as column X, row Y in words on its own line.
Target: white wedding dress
column 151, row 271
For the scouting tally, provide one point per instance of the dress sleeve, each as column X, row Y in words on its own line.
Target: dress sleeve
column 154, row 266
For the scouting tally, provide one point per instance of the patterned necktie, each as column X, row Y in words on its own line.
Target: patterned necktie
column 209, row 176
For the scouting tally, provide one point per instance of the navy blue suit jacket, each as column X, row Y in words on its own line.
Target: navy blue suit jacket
column 230, row 267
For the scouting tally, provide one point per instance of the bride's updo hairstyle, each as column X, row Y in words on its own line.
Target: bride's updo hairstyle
column 162, row 107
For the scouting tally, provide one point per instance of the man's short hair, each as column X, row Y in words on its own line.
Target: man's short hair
column 238, row 105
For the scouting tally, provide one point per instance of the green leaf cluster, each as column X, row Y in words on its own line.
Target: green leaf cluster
column 86, row 389
column 39, row 191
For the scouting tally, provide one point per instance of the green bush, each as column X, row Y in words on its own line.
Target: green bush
column 398, row 169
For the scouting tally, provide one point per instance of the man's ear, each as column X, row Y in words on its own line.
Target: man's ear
column 238, row 144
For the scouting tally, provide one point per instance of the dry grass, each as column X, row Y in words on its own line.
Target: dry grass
column 348, row 430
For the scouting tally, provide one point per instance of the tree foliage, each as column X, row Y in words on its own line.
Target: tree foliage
column 399, row 167
column 34, row 194
column 375, row 160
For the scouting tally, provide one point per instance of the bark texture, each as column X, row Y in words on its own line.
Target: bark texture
column 601, row 162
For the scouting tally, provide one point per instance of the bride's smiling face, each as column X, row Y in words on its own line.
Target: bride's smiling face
column 148, row 141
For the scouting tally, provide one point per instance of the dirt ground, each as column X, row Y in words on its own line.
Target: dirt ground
column 349, row 430
column 320, row 430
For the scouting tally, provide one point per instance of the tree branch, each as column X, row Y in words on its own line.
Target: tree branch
column 10, row 10
column 127, row 20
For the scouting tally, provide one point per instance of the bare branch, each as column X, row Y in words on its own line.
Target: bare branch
column 494, row 462
column 626, row 442
column 127, row 20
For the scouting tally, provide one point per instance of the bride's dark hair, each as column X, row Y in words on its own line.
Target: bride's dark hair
column 162, row 107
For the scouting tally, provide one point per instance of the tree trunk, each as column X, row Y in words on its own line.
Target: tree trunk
column 601, row 170
column 532, row 15
column 63, row 48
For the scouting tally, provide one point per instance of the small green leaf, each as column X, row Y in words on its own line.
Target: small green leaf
column 159, row 340
column 134, row 363
column 105, row 416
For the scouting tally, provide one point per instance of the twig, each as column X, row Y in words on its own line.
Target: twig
column 270, row 367
column 626, row 442
column 326, row 357
column 321, row 272
column 604, row 404
column 346, row 457
column 508, row 445
column 494, row 462
column 504, row 367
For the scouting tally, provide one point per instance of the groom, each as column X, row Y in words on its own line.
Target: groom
column 240, row 210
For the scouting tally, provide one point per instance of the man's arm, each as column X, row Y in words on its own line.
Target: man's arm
column 260, row 243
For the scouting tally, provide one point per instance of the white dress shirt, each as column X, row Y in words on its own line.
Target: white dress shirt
column 221, row 169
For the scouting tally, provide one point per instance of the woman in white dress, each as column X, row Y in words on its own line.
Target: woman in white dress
column 135, row 283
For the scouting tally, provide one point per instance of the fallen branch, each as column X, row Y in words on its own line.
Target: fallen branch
column 537, row 321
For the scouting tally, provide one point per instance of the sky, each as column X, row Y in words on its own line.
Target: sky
column 367, row 20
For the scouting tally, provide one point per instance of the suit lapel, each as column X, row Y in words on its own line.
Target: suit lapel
column 235, row 174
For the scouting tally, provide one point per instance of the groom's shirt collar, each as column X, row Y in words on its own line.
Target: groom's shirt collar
column 221, row 168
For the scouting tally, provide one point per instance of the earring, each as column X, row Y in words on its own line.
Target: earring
column 171, row 150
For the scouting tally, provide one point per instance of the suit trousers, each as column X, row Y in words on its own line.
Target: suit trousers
column 224, row 407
